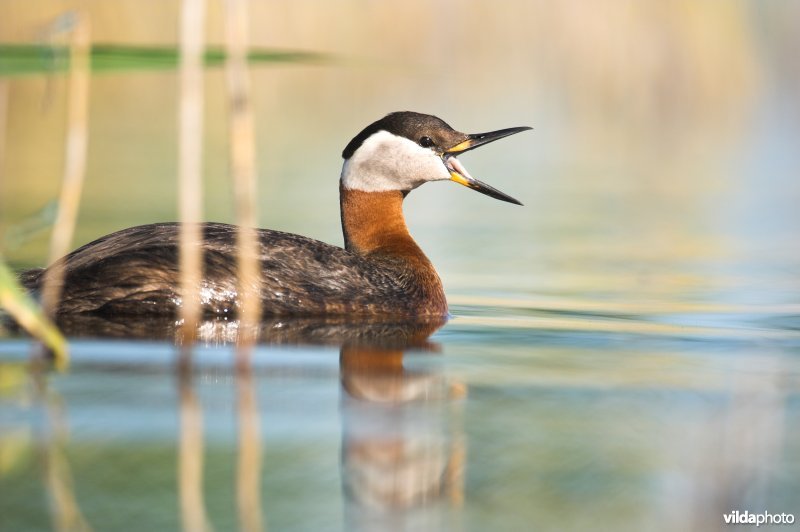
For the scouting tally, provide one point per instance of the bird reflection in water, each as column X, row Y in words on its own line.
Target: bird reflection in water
column 402, row 455
column 403, row 450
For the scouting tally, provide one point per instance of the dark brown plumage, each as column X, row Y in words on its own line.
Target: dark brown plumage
column 135, row 272
column 381, row 271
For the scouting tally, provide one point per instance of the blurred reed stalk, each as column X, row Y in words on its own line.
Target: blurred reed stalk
column 190, row 460
column 248, row 467
column 456, row 466
column 190, row 145
column 242, row 167
column 191, row 456
column 241, row 147
column 75, row 158
column 3, row 123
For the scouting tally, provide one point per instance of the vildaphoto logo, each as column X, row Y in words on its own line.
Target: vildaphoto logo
column 764, row 518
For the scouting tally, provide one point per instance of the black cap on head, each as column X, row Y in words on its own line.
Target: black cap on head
column 410, row 125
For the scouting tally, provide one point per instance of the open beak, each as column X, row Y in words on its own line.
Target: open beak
column 460, row 175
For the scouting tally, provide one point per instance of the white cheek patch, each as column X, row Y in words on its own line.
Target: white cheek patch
column 387, row 162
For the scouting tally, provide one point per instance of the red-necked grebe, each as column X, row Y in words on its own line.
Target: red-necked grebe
column 381, row 270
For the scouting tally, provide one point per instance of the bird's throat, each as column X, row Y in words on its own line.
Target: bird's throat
column 373, row 224
column 374, row 227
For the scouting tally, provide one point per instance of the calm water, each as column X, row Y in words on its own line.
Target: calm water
column 624, row 352
column 508, row 419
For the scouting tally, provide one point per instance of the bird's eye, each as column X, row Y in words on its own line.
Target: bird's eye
column 426, row 142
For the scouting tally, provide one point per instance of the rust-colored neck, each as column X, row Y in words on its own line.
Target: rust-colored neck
column 373, row 224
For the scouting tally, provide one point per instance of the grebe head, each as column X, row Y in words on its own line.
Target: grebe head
column 403, row 150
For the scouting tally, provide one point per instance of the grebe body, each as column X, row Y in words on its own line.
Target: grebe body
column 380, row 271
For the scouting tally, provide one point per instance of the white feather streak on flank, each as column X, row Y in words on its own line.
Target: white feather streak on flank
column 386, row 162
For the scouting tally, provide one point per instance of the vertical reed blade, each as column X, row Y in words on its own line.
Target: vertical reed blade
column 248, row 467
column 190, row 132
column 190, row 460
column 243, row 172
column 75, row 159
column 3, row 123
